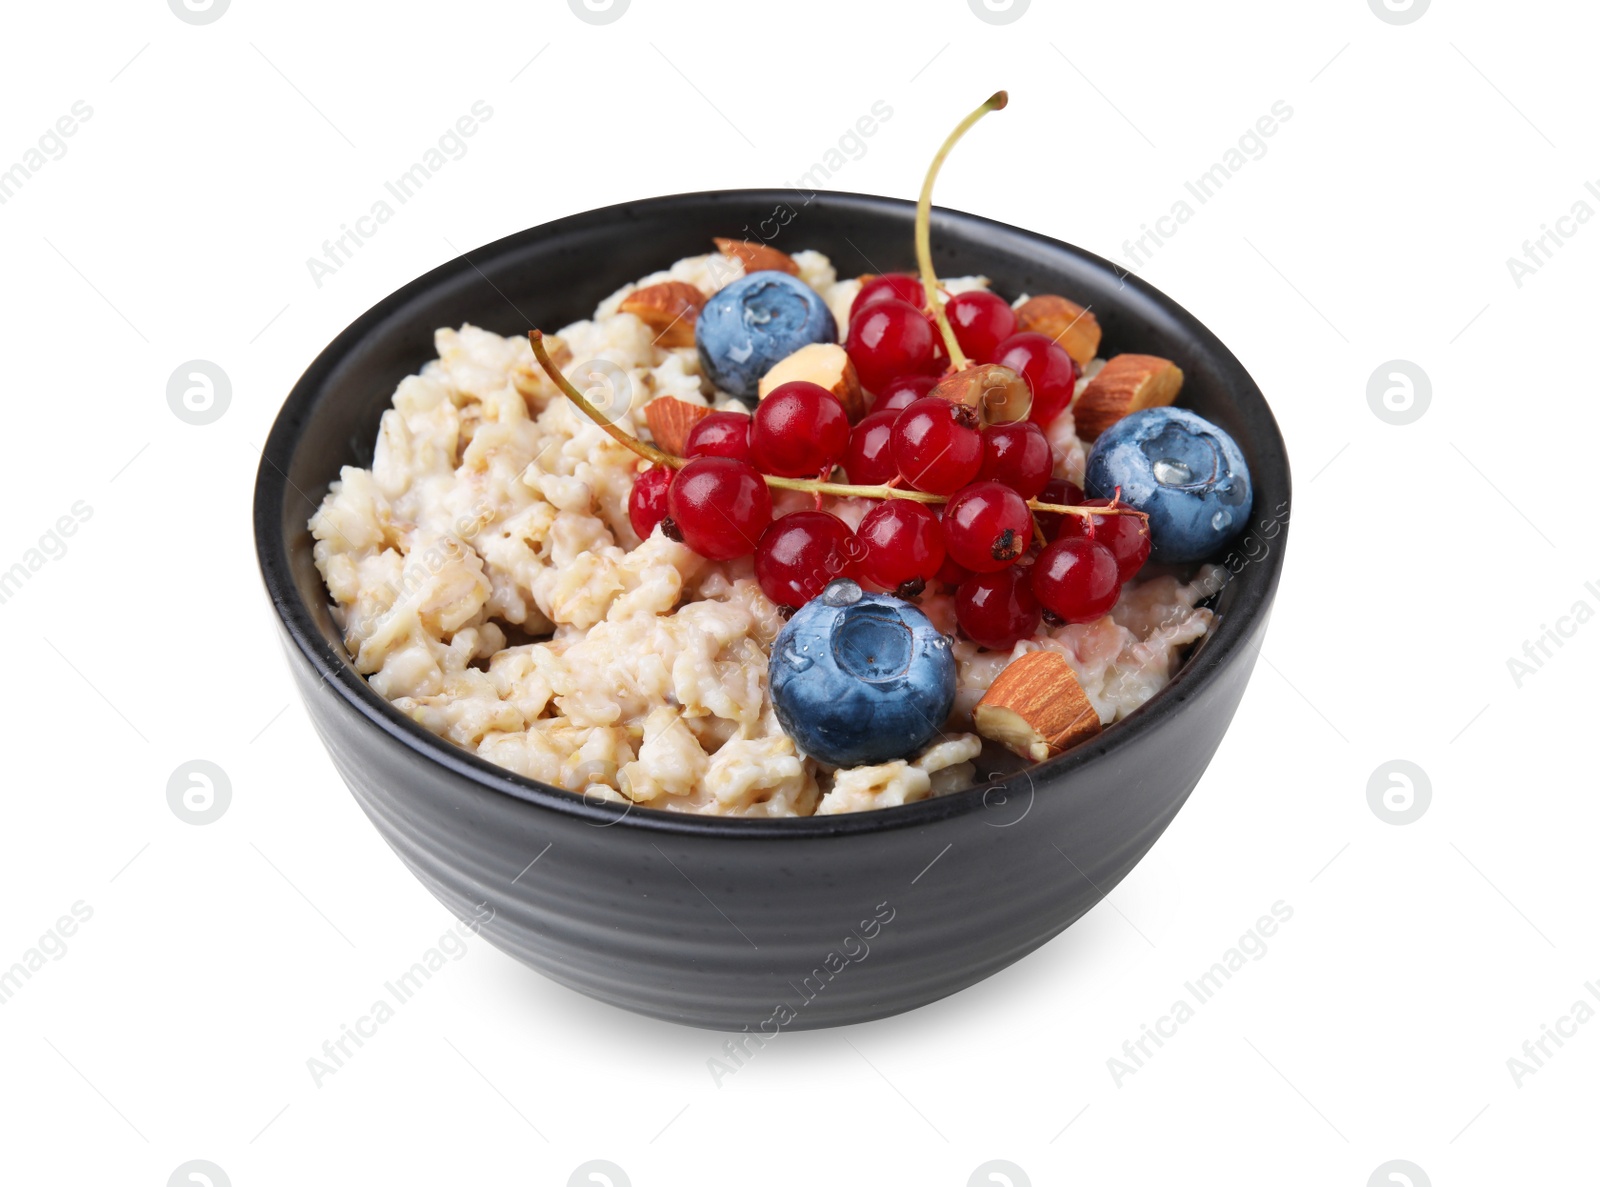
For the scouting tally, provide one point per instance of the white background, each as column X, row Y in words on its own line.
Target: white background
column 1377, row 226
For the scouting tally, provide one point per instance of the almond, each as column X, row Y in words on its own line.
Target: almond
column 670, row 420
column 1063, row 321
column 669, row 308
column 1036, row 708
column 825, row 364
column 757, row 257
column 1126, row 384
column 997, row 394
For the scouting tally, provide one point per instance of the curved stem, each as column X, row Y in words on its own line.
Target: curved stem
column 649, row 452
column 843, row 490
column 930, row 282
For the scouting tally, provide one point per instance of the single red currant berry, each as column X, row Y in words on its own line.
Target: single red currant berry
column 987, row 526
column 890, row 338
column 1048, row 369
column 1076, row 579
column 937, row 445
column 722, row 434
column 904, row 391
column 901, row 543
column 998, row 609
column 981, row 321
column 953, row 574
column 799, row 429
column 800, row 553
column 1061, row 493
column 1018, row 455
column 901, row 286
column 647, row 501
column 1127, row 536
column 869, row 461
column 719, row 506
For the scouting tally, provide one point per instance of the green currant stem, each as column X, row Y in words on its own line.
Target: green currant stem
column 930, row 283
column 841, row 490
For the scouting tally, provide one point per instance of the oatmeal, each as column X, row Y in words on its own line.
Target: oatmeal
column 490, row 583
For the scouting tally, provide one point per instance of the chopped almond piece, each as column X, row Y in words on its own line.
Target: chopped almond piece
column 669, row 308
column 757, row 257
column 1062, row 321
column 825, row 364
column 670, row 420
column 1036, row 708
column 1126, row 384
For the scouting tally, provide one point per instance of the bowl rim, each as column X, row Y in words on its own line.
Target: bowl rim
column 1259, row 577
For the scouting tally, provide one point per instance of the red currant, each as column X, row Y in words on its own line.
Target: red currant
column 901, row 286
column 1061, row 493
column 718, row 506
column 647, row 502
column 888, row 339
column 987, row 526
column 953, row 574
column 901, row 543
column 1048, row 369
column 1127, row 536
column 1076, row 579
column 722, row 434
column 901, row 392
column 799, row 429
column 981, row 321
column 998, row 609
column 870, row 459
column 799, row 554
column 937, row 445
column 1018, row 455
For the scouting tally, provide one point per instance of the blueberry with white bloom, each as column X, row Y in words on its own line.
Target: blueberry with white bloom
column 755, row 322
column 1183, row 471
column 860, row 678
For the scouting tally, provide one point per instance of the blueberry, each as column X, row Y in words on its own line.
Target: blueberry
column 756, row 321
column 861, row 678
column 1183, row 471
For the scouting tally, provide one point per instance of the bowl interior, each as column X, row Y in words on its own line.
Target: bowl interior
column 552, row 275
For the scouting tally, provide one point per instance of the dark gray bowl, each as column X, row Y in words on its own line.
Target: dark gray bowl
column 764, row 924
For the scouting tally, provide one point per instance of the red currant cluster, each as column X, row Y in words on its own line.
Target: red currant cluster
column 1007, row 571
column 955, row 469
